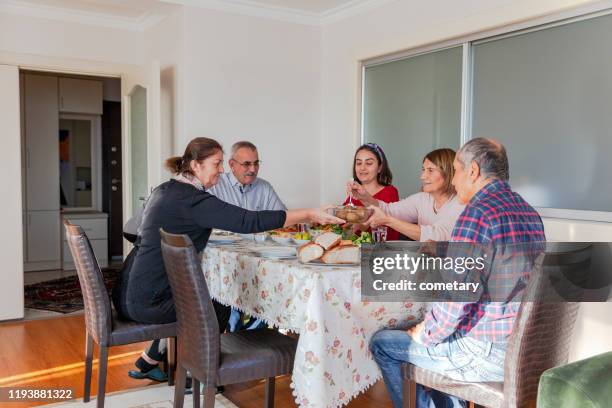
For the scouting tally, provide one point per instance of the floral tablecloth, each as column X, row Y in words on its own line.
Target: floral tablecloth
column 323, row 304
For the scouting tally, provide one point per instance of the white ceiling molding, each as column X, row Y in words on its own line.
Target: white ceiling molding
column 140, row 23
column 255, row 9
column 292, row 15
column 350, row 9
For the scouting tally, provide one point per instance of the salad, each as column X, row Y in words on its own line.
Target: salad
column 364, row 238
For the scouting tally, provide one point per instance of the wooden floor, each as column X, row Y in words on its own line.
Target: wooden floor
column 50, row 353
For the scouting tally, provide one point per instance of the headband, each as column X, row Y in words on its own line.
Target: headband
column 378, row 150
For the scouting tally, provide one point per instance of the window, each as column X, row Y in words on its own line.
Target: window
column 411, row 107
column 544, row 92
column 547, row 95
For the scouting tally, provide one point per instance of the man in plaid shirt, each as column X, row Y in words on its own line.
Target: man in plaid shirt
column 466, row 341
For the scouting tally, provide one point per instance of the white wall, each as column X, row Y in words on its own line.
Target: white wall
column 256, row 79
column 45, row 37
column 11, row 250
column 165, row 44
column 593, row 332
column 406, row 24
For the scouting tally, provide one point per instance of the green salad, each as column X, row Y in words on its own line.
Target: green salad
column 364, row 238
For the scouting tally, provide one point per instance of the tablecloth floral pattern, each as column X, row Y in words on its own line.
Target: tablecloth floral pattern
column 323, row 304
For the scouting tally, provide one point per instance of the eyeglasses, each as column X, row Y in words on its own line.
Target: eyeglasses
column 248, row 164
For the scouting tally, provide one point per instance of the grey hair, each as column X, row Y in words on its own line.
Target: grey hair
column 241, row 145
column 490, row 155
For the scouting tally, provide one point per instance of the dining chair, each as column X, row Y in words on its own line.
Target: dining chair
column 102, row 323
column 214, row 359
column 540, row 340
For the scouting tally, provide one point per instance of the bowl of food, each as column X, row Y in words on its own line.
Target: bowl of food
column 356, row 215
column 302, row 238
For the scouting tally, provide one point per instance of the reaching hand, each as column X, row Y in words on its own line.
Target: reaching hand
column 378, row 218
column 358, row 191
column 321, row 216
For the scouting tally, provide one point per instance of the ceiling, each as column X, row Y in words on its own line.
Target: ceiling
column 140, row 14
column 310, row 6
column 120, row 8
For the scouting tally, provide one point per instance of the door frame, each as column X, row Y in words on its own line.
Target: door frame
column 126, row 73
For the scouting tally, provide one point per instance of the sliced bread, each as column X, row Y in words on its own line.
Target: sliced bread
column 345, row 254
column 309, row 252
column 328, row 240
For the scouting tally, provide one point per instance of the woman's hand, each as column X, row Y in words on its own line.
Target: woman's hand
column 359, row 192
column 321, row 216
column 378, row 218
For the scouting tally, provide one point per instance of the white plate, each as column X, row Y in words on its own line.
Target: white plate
column 275, row 252
column 318, row 262
column 223, row 239
column 282, row 240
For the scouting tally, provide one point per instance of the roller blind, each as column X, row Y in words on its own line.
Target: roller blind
column 547, row 95
column 412, row 106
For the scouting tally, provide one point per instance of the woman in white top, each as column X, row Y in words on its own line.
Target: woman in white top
column 426, row 216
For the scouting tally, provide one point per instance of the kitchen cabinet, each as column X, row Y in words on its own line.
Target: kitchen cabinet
column 41, row 143
column 95, row 225
column 43, row 246
column 80, row 96
column 41, row 149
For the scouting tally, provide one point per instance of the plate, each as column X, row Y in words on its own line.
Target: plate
column 318, row 262
column 275, row 252
column 282, row 240
column 223, row 239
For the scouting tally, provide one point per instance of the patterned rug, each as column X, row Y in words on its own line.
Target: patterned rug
column 156, row 396
column 62, row 295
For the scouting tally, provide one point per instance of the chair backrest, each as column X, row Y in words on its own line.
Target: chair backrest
column 198, row 343
column 98, row 314
column 542, row 332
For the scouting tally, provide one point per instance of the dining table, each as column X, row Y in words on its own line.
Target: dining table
column 322, row 303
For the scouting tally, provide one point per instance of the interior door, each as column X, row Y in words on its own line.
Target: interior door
column 11, row 250
column 142, row 160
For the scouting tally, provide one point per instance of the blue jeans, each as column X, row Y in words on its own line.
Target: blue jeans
column 235, row 322
column 460, row 358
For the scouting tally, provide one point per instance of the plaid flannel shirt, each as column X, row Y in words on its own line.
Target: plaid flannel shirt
column 494, row 216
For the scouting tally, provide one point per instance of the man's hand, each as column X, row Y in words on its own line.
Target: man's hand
column 415, row 331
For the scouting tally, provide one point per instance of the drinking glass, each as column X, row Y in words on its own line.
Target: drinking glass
column 379, row 233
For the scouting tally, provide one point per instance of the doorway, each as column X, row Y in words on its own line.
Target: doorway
column 72, row 154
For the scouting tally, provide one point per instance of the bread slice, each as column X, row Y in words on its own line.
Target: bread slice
column 309, row 252
column 328, row 240
column 345, row 254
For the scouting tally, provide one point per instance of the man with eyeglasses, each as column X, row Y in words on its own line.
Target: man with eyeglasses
column 243, row 188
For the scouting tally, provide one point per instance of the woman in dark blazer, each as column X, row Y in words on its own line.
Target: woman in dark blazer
column 183, row 206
